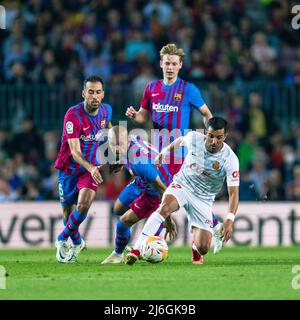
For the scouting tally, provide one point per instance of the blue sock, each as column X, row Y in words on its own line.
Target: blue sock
column 122, row 237
column 73, row 223
column 215, row 220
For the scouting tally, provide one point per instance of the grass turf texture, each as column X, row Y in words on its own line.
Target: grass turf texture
column 236, row 273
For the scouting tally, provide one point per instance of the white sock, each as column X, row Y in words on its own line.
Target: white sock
column 217, row 228
column 150, row 228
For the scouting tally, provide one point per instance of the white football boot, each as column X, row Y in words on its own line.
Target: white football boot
column 62, row 250
column 218, row 242
column 114, row 258
column 74, row 252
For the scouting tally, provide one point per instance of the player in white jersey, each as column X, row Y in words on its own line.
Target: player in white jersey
column 208, row 162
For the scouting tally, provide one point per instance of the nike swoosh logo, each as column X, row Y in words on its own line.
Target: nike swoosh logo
column 154, row 94
column 85, row 128
column 137, row 206
column 95, row 185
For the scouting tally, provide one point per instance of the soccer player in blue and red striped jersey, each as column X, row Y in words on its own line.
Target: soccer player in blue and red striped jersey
column 141, row 197
column 169, row 102
column 77, row 164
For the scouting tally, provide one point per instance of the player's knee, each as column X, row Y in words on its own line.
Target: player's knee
column 164, row 210
column 203, row 248
column 83, row 207
column 126, row 220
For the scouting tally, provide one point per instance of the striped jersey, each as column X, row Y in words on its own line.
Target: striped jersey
column 170, row 107
column 88, row 129
column 203, row 173
column 140, row 163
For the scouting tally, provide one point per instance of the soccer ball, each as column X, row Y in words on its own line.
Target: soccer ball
column 154, row 249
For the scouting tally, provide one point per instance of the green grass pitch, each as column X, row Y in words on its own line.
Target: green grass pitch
column 236, row 273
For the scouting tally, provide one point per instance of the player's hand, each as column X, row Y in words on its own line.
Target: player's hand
column 227, row 230
column 130, row 113
column 171, row 228
column 96, row 175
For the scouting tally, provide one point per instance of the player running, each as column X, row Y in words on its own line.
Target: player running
column 77, row 164
column 208, row 162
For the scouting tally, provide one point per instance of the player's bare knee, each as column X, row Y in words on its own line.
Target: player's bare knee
column 164, row 210
column 203, row 248
column 126, row 220
column 83, row 207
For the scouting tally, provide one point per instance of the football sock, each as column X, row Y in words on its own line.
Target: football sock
column 74, row 221
column 152, row 227
column 122, row 237
column 215, row 220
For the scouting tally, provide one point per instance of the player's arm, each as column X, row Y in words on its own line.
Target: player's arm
column 166, row 150
column 206, row 114
column 227, row 228
column 140, row 116
column 75, row 149
column 159, row 185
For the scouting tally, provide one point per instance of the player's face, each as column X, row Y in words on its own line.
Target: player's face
column 93, row 94
column 214, row 140
column 118, row 145
column 170, row 65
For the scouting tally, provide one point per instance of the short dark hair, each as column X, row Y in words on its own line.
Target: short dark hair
column 217, row 123
column 93, row 78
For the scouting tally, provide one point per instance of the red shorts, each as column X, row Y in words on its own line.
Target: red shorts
column 86, row 181
column 145, row 205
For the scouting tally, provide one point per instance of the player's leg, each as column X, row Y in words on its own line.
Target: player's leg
column 123, row 234
column 217, row 239
column 201, row 244
column 68, row 197
column 171, row 202
column 85, row 198
column 200, row 221
column 122, row 204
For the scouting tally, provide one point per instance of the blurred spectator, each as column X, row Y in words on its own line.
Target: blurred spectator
column 259, row 173
column 237, row 51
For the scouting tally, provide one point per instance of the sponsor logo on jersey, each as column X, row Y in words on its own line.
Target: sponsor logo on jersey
column 177, row 96
column 69, row 127
column 199, row 169
column 216, row 165
column 158, row 107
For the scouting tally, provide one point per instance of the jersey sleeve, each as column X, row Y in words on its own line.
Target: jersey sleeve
column 195, row 97
column 145, row 104
column 232, row 171
column 148, row 172
column 109, row 116
column 71, row 126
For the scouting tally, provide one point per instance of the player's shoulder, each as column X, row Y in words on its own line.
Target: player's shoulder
column 107, row 106
column 229, row 153
column 73, row 111
column 154, row 84
column 198, row 135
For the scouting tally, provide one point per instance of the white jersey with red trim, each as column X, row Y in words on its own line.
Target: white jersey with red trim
column 203, row 172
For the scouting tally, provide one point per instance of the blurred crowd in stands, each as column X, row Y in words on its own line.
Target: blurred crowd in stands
column 225, row 41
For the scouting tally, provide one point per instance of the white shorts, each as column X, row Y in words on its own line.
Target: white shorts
column 199, row 212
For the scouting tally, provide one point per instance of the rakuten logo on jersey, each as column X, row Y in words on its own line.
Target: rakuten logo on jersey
column 158, row 107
